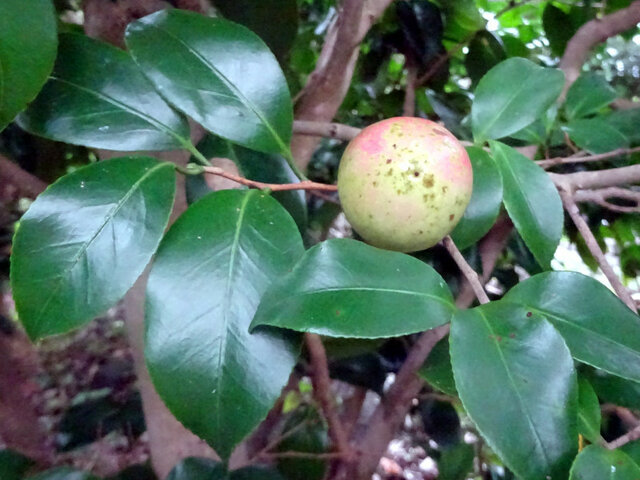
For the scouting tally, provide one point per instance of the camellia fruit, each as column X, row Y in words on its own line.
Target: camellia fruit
column 404, row 183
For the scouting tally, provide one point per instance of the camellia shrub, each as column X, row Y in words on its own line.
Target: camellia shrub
column 235, row 289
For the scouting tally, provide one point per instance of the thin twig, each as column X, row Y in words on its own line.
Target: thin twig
column 274, row 187
column 630, row 436
column 551, row 162
column 469, row 273
column 512, row 4
column 597, row 178
column 322, row 392
column 338, row 131
column 603, row 196
column 409, row 105
column 592, row 244
column 309, row 455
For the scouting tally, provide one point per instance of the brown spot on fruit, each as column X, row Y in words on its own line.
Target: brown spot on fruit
column 451, row 217
column 428, row 181
column 389, row 161
column 416, row 174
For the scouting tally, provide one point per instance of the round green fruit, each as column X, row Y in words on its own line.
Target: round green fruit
column 404, row 183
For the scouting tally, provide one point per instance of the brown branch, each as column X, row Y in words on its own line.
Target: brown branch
column 441, row 60
column 322, row 392
column 275, row 187
column 409, row 105
column 551, row 162
column 26, row 183
column 391, row 411
column 328, row 84
column 630, row 436
column 597, row 253
column 603, row 195
column 325, row 129
column 468, row 272
column 592, row 33
column 597, row 179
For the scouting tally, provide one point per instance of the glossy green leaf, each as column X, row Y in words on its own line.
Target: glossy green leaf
column 62, row 473
column 511, row 96
column 615, row 390
column 485, row 52
column 486, row 199
column 262, row 167
column 456, row 462
column 437, row 369
column 28, row 43
column 598, row 328
column 595, row 135
column 97, row 97
column 598, row 463
column 626, row 122
column 86, row 239
column 207, row 279
column 13, row 465
column 275, row 21
column 557, row 26
column 589, row 415
column 345, row 288
column 588, row 94
column 516, row 380
column 205, row 469
column 532, row 201
column 217, row 72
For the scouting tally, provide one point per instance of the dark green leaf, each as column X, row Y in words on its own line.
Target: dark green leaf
column 588, row 94
column 217, row 72
column 207, row 280
column 485, row 52
column 345, row 288
column 205, row 469
column 532, row 202
column 516, row 380
column 557, row 28
column 97, row 97
column 27, row 51
column 534, row 133
column 595, row 135
column 511, row 96
column 262, row 167
column 633, row 450
column 599, row 329
column 598, row 463
column 616, row 390
column 13, row 465
column 62, row 473
column 456, row 462
column 588, row 411
column 86, row 239
column 483, row 209
column 275, row 21
column 437, row 369
column 308, row 438
column 626, row 122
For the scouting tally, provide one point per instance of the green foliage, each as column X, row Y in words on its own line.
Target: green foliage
column 511, row 96
column 599, row 329
column 84, row 242
column 344, row 288
column 231, row 286
column 13, row 465
column 596, row 463
column 244, row 98
column 532, row 202
column 516, row 380
column 209, row 274
column 82, row 105
column 486, row 199
column 27, row 50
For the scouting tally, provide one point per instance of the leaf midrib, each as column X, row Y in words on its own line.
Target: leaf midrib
column 523, row 406
column 222, row 350
column 126, row 108
column 229, row 84
column 108, row 217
